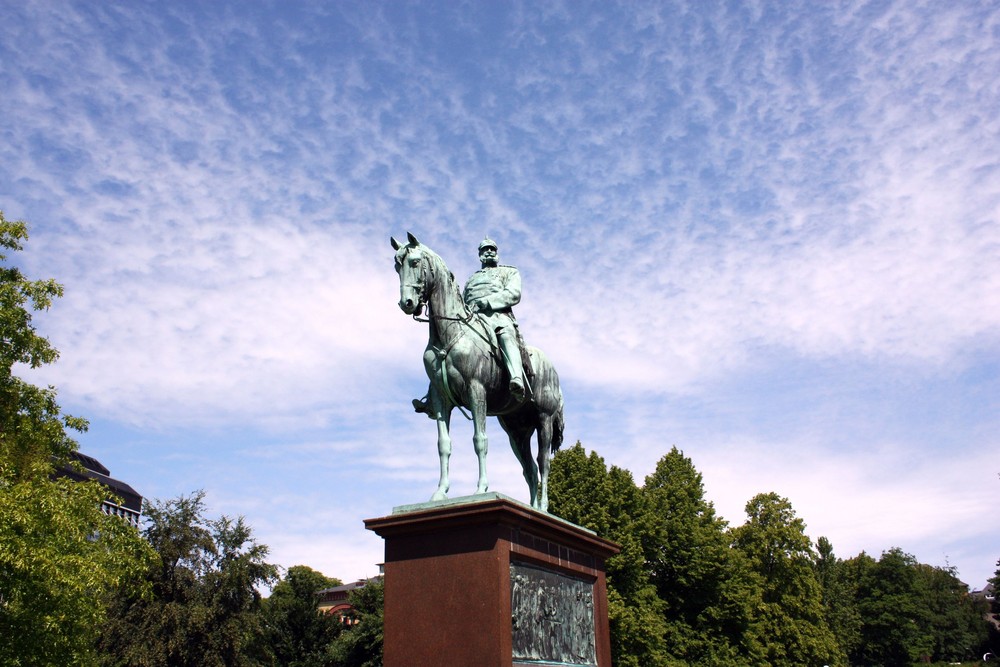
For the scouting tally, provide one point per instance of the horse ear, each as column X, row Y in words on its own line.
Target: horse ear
column 394, row 242
column 413, row 239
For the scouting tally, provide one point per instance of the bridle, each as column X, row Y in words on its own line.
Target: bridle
column 420, row 286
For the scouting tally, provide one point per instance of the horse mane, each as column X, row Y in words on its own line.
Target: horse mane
column 440, row 268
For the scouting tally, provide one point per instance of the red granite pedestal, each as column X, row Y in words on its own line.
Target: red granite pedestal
column 449, row 591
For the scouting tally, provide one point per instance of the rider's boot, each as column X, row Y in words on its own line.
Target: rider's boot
column 512, row 359
column 422, row 405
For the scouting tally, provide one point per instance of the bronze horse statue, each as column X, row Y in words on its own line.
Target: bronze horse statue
column 465, row 371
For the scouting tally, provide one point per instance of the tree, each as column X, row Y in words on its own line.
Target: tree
column 60, row 555
column 993, row 616
column 958, row 627
column 839, row 597
column 361, row 644
column 296, row 633
column 789, row 624
column 910, row 611
column 703, row 583
column 894, row 622
column 584, row 491
column 204, row 606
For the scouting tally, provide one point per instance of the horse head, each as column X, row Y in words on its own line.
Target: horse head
column 411, row 267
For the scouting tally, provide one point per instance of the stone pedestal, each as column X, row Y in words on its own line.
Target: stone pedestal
column 486, row 581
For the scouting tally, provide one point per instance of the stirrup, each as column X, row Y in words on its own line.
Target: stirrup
column 421, row 405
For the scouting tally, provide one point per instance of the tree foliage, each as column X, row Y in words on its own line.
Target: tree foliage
column 60, row 558
column 60, row 555
column 993, row 615
column 584, row 491
column 203, row 608
column 913, row 612
column 957, row 627
column 788, row 623
column 839, row 593
column 704, row 584
column 361, row 644
column 296, row 634
column 687, row 590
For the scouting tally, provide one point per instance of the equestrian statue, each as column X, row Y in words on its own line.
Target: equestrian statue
column 476, row 360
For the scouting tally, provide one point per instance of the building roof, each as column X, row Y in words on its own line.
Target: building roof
column 336, row 599
column 93, row 469
column 346, row 588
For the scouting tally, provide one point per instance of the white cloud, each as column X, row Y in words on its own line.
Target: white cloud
column 691, row 192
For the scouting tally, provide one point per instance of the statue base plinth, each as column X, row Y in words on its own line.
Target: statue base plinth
column 486, row 581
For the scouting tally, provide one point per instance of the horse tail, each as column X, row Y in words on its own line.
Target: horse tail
column 558, row 424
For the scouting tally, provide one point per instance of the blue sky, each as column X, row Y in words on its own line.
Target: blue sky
column 767, row 233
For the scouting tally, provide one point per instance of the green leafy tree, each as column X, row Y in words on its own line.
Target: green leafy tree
column 993, row 617
column 789, row 624
column 296, row 633
column 361, row 644
column 60, row 555
column 839, row 597
column 204, row 608
column 894, row 622
column 686, row 590
column 958, row 626
column 583, row 490
column 913, row 612
column 704, row 584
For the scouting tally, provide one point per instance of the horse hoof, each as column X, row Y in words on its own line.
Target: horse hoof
column 439, row 495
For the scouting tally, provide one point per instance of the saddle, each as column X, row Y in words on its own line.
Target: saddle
column 485, row 331
column 529, row 371
column 490, row 334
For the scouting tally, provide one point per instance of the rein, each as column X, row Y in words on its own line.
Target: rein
column 464, row 320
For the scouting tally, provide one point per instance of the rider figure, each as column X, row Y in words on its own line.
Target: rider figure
column 492, row 291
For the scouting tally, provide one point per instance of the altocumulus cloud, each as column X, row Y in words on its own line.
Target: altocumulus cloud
column 767, row 233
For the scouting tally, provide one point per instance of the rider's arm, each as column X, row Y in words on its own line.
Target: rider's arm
column 510, row 295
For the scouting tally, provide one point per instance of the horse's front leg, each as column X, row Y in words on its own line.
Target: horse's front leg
column 442, row 416
column 477, row 403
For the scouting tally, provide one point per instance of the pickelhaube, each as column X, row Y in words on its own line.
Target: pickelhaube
column 487, row 243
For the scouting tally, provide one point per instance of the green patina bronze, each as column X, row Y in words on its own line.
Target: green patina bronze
column 492, row 292
column 474, row 360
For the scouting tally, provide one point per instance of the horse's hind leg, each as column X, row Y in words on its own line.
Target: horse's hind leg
column 520, row 442
column 544, row 461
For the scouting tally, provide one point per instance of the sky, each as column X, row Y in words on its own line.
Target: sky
column 766, row 233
